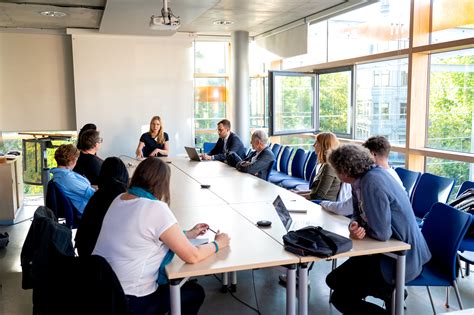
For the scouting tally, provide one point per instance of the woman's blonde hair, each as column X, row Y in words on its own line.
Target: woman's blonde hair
column 327, row 142
column 160, row 138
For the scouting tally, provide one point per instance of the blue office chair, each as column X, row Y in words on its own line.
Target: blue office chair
column 61, row 206
column 297, row 168
column 429, row 190
column 269, row 170
column 276, row 149
column 208, row 146
column 308, row 170
column 283, row 169
column 409, row 179
column 466, row 249
column 443, row 229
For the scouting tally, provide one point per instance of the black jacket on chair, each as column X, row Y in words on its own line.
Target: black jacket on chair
column 234, row 144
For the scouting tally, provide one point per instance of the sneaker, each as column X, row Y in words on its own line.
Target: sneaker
column 283, row 279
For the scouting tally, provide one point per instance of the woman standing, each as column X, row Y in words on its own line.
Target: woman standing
column 139, row 237
column 154, row 142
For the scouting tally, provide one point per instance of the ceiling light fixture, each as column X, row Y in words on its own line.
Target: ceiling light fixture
column 222, row 22
column 53, row 13
column 166, row 21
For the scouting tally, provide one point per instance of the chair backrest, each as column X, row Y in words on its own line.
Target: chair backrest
column 207, row 146
column 285, row 159
column 61, row 205
column 465, row 186
column 429, row 190
column 276, row 148
column 297, row 164
column 269, row 170
column 310, row 165
column 444, row 228
column 408, row 178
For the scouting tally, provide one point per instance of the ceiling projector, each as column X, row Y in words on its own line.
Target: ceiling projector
column 167, row 21
column 159, row 23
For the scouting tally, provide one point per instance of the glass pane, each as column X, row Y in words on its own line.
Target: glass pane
column 293, row 98
column 451, row 101
column 210, row 107
column 375, row 28
column 210, row 57
column 381, row 106
column 296, row 142
column 335, row 102
column 258, row 103
column 396, row 159
column 452, row 20
column 461, row 171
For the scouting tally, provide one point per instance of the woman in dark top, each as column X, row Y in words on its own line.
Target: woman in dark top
column 154, row 142
column 88, row 164
column 86, row 127
column 113, row 181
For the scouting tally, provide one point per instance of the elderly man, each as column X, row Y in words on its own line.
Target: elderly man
column 259, row 161
column 228, row 142
column 382, row 210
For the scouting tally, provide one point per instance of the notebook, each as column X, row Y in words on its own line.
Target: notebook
column 285, row 216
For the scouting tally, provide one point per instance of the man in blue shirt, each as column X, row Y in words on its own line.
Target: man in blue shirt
column 382, row 211
column 74, row 186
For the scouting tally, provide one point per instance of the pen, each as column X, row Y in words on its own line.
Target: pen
column 212, row 230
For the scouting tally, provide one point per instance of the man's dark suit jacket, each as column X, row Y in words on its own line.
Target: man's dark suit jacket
column 261, row 166
column 234, row 144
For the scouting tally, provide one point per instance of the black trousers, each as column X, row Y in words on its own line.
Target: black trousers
column 354, row 280
column 157, row 303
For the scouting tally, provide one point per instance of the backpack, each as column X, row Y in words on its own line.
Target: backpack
column 465, row 201
column 316, row 241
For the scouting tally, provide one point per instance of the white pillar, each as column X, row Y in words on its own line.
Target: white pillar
column 240, row 83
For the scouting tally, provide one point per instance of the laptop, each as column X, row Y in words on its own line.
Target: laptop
column 192, row 153
column 285, row 216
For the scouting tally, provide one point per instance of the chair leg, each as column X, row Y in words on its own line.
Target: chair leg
column 431, row 299
column 446, row 304
column 468, row 269
column 458, row 296
column 459, row 267
column 334, row 266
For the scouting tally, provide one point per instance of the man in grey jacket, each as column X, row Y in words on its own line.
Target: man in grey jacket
column 382, row 211
column 259, row 161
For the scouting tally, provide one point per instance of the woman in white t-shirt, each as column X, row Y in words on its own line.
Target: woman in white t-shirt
column 140, row 235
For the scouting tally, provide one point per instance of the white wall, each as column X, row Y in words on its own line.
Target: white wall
column 36, row 82
column 122, row 81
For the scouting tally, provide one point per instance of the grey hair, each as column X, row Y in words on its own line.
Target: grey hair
column 260, row 135
column 351, row 160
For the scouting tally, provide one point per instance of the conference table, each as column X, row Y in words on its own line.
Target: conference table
column 233, row 203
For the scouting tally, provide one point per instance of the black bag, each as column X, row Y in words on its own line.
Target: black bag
column 316, row 241
column 465, row 201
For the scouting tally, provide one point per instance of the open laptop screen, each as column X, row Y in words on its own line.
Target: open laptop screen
column 283, row 213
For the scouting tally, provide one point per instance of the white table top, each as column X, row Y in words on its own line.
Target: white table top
column 204, row 169
column 249, row 248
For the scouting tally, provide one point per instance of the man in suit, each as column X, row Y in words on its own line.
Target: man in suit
column 228, row 142
column 259, row 161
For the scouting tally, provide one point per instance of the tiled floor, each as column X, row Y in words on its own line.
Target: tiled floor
column 271, row 296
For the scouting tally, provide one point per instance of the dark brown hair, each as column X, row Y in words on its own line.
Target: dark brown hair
column 153, row 175
column 378, row 145
column 225, row 123
column 66, row 154
column 351, row 159
column 89, row 139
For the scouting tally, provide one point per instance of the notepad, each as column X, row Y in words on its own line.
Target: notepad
column 296, row 206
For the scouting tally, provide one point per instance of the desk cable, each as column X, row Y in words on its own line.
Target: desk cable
column 257, row 309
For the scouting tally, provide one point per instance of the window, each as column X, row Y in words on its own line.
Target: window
column 403, row 110
column 386, row 100
column 258, row 103
column 335, row 101
column 452, row 20
column 210, row 89
column 292, row 102
column 451, row 101
column 461, row 171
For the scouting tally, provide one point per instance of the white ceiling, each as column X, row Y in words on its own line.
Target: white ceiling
column 132, row 16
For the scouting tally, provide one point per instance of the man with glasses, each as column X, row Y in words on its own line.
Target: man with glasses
column 228, row 142
column 88, row 164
